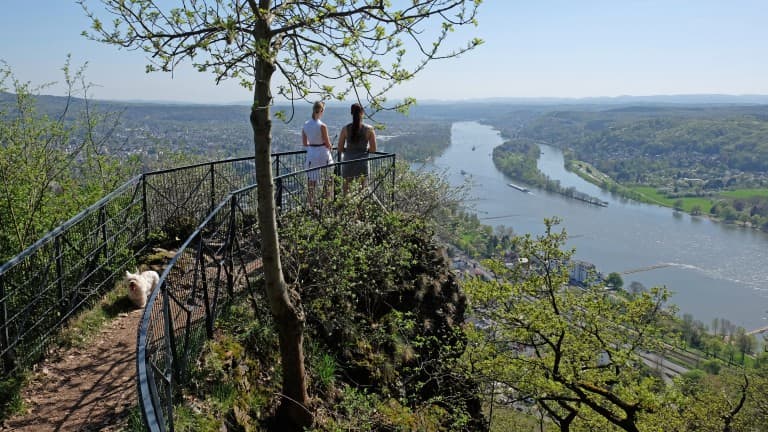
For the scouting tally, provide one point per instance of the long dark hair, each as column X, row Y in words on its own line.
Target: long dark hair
column 357, row 120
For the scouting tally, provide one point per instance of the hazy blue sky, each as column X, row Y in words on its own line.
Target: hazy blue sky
column 534, row 48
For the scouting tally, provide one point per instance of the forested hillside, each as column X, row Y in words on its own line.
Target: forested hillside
column 627, row 143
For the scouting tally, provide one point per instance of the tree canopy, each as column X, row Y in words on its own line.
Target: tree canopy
column 51, row 165
column 572, row 351
column 324, row 49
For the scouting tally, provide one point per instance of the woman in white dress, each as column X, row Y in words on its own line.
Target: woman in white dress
column 314, row 136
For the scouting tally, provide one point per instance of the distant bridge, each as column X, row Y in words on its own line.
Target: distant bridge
column 757, row 331
column 499, row 217
column 646, row 268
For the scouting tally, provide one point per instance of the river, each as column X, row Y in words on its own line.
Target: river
column 714, row 270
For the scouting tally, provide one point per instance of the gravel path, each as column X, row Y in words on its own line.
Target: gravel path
column 84, row 389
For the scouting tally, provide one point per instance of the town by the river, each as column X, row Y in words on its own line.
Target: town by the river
column 714, row 270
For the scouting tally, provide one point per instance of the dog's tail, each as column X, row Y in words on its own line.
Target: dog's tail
column 155, row 279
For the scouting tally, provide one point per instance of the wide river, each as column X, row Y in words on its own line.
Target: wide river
column 714, row 270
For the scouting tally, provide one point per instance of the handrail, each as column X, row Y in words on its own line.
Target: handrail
column 64, row 226
column 64, row 271
column 169, row 329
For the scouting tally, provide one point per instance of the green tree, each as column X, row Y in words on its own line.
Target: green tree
column 574, row 352
column 636, row 288
column 756, row 407
column 744, row 342
column 696, row 210
column 614, row 280
column 51, row 167
column 678, row 205
column 429, row 196
column 711, row 403
column 312, row 45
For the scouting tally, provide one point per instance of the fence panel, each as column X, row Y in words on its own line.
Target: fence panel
column 68, row 269
column 218, row 260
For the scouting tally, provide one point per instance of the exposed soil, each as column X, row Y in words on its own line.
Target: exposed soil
column 84, row 389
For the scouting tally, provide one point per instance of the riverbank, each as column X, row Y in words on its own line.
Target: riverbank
column 693, row 206
column 517, row 158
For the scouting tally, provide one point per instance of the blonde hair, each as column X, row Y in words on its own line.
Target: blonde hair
column 317, row 108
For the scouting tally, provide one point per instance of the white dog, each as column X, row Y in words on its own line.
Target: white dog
column 140, row 285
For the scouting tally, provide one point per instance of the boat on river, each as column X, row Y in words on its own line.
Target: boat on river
column 520, row 188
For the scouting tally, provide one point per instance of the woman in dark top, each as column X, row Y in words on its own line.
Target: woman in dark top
column 356, row 140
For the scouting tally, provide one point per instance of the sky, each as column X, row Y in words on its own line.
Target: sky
column 533, row 48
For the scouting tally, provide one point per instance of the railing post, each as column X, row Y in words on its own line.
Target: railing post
column 173, row 358
column 394, row 175
column 5, row 340
column 170, row 352
column 277, row 166
column 103, row 224
column 156, row 405
column 145, row 208
column 213, row 189
column 231, row 246
column 63, row 303
column 279, row 193
column 200, row 264
column 337, row 175
column 150, row 400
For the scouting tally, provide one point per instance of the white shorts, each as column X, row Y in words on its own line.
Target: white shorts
column 317, row 156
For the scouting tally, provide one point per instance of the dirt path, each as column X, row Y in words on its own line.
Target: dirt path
column 85, row 389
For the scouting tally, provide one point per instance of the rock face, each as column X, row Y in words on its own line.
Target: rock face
column 380, row 297
column 440, row 306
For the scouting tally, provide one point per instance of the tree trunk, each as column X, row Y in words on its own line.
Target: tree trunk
column 292, row 414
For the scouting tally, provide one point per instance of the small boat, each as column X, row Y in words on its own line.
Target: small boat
column 473, row 148
column 463, row 172
column 520, row 188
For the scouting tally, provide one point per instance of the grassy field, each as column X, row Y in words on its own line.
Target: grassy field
column 589, row 173
column 651, row 195
column 688, row 203
column 746, row 193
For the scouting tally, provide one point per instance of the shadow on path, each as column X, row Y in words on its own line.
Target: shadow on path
column 85, row 389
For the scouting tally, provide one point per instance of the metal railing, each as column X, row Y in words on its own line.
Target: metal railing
column 75, row 264
column 219, row 259
column 65, row 271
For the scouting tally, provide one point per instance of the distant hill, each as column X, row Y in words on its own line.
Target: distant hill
column 445, row 105
column 692, row 99
column 600, row 100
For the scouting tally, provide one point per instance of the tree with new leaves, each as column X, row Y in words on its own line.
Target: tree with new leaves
column 575, row 352
column 52, row 165
column 312, row 46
